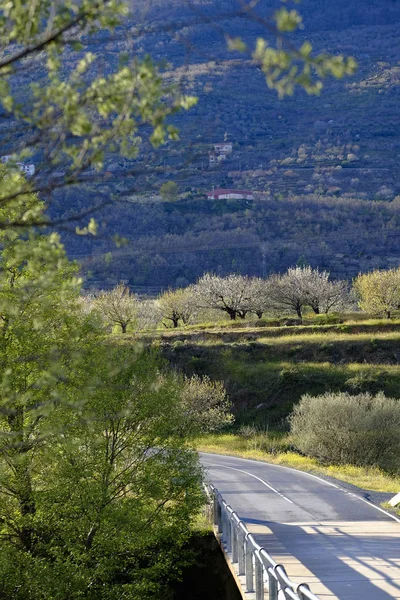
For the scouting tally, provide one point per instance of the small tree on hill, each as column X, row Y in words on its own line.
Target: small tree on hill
column 305, row 286
column 177, row 305
column 228, row 294
column 323, row 295
column 117, row 306
column 259, row 296
column 288, row 291
column 378, row 292
column 169, row 191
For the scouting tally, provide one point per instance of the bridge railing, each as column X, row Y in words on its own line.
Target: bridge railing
column 253, row 562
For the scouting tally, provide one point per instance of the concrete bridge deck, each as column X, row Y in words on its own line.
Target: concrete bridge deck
column 343, row 546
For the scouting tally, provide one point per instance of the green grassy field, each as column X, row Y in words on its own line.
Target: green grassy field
column 267, row 369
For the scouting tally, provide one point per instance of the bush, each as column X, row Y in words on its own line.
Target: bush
column 344, row 429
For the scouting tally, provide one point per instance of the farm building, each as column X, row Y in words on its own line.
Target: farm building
column 222, row 194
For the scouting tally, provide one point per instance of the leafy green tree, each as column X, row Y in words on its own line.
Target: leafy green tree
column 73, row 111
column 378, row 292
column 97, row 483
column 169, row 191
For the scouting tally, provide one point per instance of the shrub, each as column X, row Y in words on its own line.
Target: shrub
column 343, row 429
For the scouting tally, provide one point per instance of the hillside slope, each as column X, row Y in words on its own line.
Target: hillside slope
column 318, row 161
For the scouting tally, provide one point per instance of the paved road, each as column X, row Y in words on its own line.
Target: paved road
column 333, row 539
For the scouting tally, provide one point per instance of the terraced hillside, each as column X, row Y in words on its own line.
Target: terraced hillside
column 267, row 369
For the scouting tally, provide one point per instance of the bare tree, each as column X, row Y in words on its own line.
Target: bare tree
column 229, row 294
column 177, row 305
column 305, row 286
column 288, row 291
column 148, row 313
column 117, row 306
column 335, row 296
column 259, row 296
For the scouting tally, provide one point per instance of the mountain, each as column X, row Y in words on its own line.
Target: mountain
column 326, row 167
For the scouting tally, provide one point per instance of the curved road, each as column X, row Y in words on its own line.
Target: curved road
column 338, row 542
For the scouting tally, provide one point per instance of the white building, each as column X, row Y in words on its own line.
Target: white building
column 222, row 194
column 28, row 169
column 225, row 148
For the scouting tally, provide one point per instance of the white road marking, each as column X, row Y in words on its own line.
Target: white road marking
column 255, row 477
column 258, row 462
column 372, row 505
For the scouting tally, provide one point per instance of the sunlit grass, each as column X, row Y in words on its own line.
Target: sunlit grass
column 370, row 478
column 333, row 337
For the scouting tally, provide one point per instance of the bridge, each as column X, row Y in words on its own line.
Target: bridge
column 290, row 535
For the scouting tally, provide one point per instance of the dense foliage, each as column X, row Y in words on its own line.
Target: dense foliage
column 344, row 429
column 98, row 486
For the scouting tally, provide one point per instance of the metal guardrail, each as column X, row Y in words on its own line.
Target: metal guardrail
column 251, row 560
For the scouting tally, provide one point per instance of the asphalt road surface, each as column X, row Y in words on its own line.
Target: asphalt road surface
column 333, row 539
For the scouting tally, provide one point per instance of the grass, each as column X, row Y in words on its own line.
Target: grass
column 266, row 368
column 369, row 478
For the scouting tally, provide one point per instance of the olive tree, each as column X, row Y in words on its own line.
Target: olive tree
column 378, row 292
column 117, row 306
column 344, row 429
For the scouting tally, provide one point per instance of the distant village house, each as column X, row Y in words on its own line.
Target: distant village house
column 221, row 194
column 28, row 169
column 225, row 148
column 219, row 153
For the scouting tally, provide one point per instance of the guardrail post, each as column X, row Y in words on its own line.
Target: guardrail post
column 228, row 533
column 272, row 587
column 219, row 516
column 223, row 525
column 249, row 566
column 259, row 578
column 234, row 538
column 241, row 556
column 215, row 509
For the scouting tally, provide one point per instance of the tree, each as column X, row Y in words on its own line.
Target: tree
column 288, row 291
column 169, row 191
column 335, row 296
column 321, row 294
column 305, row 286
column 97, row 482
column 228, row 294
column 44, row 337
column 259, row 296
column 340, row 428
column 205, row 405
column 148, row 313
column 177, row 305
column 118, row 306
column 378, row 292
